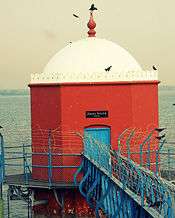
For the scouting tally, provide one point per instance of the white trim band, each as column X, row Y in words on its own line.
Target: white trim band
column 94, row 77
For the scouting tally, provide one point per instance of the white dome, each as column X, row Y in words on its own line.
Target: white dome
column 91, row 55
column 86, row 60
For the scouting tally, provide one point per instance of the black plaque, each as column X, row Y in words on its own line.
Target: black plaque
column 96, row 114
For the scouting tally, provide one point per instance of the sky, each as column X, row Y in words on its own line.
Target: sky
column 32, row 31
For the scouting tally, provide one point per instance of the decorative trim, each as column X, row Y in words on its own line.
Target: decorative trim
column 129, row 76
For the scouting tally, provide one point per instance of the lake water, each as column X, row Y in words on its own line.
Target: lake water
column 15, row 119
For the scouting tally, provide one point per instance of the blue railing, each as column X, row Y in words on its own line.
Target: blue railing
column 105, row 168
column 153, row 192
column 105, row 194
column 20, row 158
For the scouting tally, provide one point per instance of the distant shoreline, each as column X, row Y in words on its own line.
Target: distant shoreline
column 10, row 92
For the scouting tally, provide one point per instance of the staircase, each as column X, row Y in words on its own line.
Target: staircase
column 121, row 188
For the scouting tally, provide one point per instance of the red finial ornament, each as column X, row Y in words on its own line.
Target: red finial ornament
column 91, row 25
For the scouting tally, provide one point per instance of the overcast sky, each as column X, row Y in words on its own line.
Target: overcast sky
column 32, row 31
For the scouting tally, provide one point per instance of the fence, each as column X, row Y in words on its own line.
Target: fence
column 149, row 150
column 46, row 162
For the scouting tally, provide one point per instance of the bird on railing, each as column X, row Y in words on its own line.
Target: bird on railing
column 160, row 137
column 159, row 129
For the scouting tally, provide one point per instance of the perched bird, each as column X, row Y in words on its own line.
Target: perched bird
column 160, row 137
column 108, row 68
column 75, row 15
column 92, row 8
column 154, row 67
column 1, row 127
column 159, row 129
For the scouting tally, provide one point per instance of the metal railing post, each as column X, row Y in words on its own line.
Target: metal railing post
column 119, row 140
column 128, row 144
column 25, row 167
column 141, row 155
column 8, row 203
column 158, row 156
column 23, row 151
column 141, row 147
column 157, row 162
column 49, row 159
column 148, row 156
column 2, row 156
column 2, row 172
column 169, row 165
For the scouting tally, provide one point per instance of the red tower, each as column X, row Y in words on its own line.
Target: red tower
column 91, row 83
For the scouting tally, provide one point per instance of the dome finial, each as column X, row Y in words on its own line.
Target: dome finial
column 91, row 24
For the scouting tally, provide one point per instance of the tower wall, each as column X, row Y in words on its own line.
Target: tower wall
column 64, row 106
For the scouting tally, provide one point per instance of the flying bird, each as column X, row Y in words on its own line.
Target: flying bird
column 159, row 129
column 1, row 127
column 108, row 68
column 154, row 67
column 75, row 15
column 174, row 104
column 160, row 137
column 92, row 8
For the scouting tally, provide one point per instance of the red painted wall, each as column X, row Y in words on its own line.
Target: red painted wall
column 129, row 105
column 76, row 100
column 45, row 115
